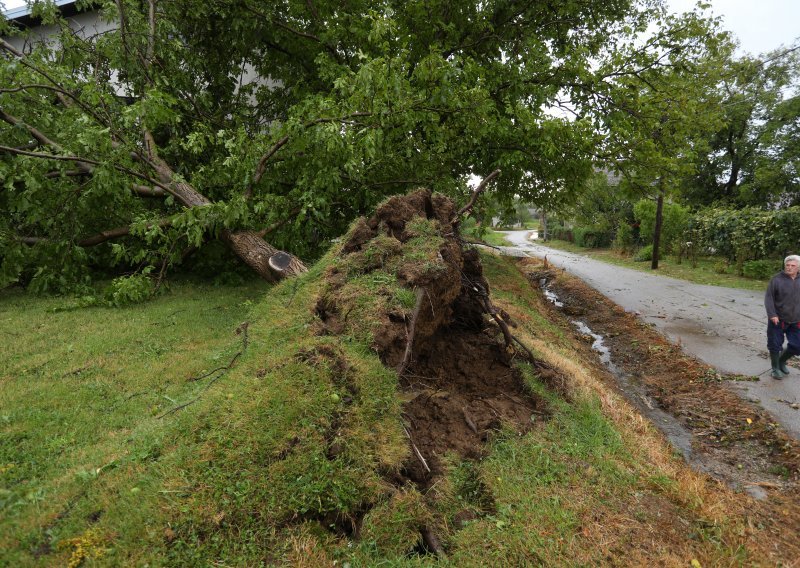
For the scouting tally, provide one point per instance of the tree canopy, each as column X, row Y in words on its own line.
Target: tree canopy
column 185, row 122
column 753, row 157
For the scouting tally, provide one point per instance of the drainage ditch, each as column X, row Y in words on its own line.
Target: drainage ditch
column 677, row 434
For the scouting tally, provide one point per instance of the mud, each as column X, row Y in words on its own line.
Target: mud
column 462, row 388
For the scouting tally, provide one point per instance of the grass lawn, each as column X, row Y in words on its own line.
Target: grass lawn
column 129, row 438
column 704, row 273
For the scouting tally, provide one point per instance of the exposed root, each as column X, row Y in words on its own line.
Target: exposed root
column 416, row 451
column 241, row 330
column 412, row 328
column 432, row 543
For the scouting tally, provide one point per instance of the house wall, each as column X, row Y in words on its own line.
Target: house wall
column 85, row 24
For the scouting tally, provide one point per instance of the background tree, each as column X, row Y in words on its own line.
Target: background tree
column 752, row 158
column 662, row 100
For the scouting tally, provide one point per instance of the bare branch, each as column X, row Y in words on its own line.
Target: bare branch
column 145, row 191
column 68, row 173
column 104, row 236
column 10, row 48
column 151, row 37
column 100, row 237
column 478, row 190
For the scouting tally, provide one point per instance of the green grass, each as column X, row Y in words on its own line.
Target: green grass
column 495, row 238
column 704, row 273
column 271, row 460
column 79, row 398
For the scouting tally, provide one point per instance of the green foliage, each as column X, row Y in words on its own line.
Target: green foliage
column 298, row 118
column 721, row 267
column 600, row 208
column 751, row 157
column 624, row 239
column 675, row 221
column 514, row 215
column 761, row 269
column 748, row 234
column 644, row 254
column 558, row 230
column 132, row 289
column 589, row 237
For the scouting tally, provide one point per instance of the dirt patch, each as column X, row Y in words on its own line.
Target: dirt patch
column 405, row 282
column 732, row 440
column 463, row 387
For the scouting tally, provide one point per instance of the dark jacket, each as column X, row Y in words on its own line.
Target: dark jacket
column 783, row 298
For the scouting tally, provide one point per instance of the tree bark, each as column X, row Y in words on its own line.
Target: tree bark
column 267, row 261
column 545, row 236
column 657, row 229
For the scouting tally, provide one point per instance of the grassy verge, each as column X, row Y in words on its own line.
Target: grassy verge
column 704, row 273
column 272, row 461
column 495, row 238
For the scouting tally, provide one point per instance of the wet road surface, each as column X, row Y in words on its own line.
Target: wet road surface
column 724, row 327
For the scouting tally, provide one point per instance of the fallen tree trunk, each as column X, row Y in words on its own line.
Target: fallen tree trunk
column 268, row 262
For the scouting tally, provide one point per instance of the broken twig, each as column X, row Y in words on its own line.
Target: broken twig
column 416, row 451
column 241, row 330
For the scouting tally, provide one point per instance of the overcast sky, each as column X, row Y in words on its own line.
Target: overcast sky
column 760, row 25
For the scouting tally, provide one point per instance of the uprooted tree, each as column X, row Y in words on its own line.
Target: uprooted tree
column 178, row 124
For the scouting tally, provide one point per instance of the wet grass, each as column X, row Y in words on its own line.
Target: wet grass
column 706, row 271
column 275, row 461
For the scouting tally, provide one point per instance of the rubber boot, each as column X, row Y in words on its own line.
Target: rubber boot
column 775, row 358
column 785, row 356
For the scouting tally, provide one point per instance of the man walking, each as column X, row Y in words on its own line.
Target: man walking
column 782, row 301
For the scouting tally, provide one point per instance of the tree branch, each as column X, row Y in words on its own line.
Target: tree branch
column 478, row 190
column 278, row 224
column 9, row 150
column 151, row 36
column 100, row 237
column 261, row 167
column 145, row 191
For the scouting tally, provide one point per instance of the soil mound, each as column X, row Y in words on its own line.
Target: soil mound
column 405, row 282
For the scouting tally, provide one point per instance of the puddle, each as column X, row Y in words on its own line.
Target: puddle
column 549, row 294
column 676, row 433
column 598, row 345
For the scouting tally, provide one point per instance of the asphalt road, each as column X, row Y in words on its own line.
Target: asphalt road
column 724, row 327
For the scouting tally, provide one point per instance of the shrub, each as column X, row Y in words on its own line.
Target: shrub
column 675, row 221
column 590, row 237
column 720, row 267
column 644, row 254
column 559, row 232
column 624, row 240
column 748, row 234
column 761, row 269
